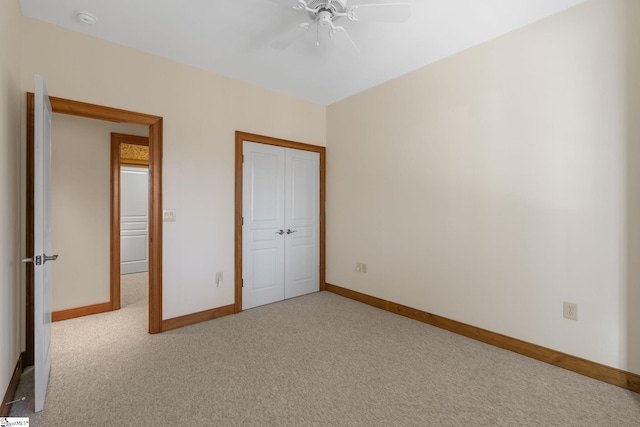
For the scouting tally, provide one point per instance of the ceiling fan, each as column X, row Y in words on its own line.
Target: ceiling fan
column 324, row 13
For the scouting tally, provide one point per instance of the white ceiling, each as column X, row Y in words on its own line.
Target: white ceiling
column 232, row 37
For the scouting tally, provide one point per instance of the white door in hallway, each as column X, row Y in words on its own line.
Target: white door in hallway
column 134, row 220
column 281, row 223
column 42, row 246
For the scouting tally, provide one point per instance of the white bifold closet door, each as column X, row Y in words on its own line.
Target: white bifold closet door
column 281, row 223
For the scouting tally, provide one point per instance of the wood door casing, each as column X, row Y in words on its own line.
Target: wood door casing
column 155, row 124
column 244, row 136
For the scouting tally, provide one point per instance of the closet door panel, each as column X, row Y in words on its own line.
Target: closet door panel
column 263, row 216
column 302, row 221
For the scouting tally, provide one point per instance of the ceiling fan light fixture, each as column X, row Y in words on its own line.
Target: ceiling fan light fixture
column 85, row 17
column 323, row 14
column 325, row 19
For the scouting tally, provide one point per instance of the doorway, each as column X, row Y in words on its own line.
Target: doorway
column 154, row 123
column 129, row 182
column 242, row 240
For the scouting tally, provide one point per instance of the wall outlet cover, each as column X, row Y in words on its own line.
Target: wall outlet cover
column 169, row 215
column 570, row 310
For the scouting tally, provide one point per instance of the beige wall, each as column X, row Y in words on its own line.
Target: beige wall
column 630, row 300
column 81, row 188
column 201, row 112
column 492, row 186
column 11, row 311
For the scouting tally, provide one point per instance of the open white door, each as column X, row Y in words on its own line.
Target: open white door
column 42, row 242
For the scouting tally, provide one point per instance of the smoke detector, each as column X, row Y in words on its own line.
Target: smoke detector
column 85, row 17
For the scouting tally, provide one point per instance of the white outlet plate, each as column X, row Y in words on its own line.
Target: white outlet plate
column 169, row 215
column 361, row 267
column 570, row 310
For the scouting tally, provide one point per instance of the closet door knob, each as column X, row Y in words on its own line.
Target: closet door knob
column 281, row 232
column 289, row 231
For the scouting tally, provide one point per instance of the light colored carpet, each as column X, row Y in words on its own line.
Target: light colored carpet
column 134, row 288
column 317, row 360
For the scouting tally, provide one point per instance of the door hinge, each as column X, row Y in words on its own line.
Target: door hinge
column 242, row 220
column 243, row 158
column 243, row 283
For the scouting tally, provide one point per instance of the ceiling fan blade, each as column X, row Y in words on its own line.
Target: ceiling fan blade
column 293, row 4
column 289, row 37
column 342, row 37
column 286, row 3
column 384, row 12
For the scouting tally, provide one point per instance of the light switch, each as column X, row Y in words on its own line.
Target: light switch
column 169, row 215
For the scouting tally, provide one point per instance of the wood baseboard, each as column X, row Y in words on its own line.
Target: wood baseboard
column 610, row 375
column 87, row 310
column 202, row 316
column 11, row 389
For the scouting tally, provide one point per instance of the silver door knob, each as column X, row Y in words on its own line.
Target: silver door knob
column 290, row 231
column 281, row 232
column 27, row 260
column 50, row 258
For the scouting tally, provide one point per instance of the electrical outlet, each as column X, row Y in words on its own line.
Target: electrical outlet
column 169, row 215
column 570, row 310
column 219, row 278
